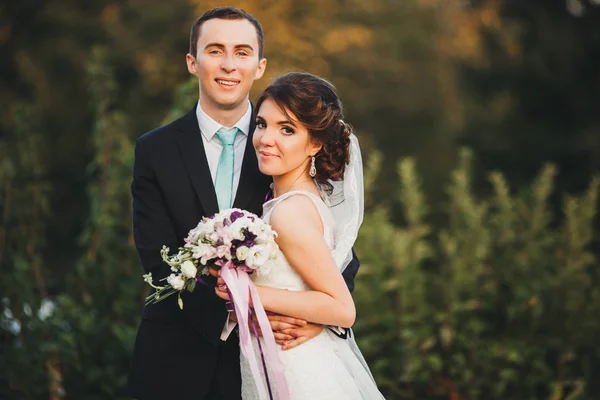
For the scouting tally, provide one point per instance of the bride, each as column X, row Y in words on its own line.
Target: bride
column 314, row 159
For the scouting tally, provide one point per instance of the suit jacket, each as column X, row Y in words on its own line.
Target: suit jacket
column 172, row 190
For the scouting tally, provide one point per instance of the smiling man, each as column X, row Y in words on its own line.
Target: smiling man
column 194, row 167
column 227, row 58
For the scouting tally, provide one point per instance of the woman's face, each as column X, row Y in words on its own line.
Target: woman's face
column 283, row 145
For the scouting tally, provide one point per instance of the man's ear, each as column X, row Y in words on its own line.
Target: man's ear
column 262, row 66
column 191, row 64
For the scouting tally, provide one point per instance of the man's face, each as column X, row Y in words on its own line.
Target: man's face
column 226, row 63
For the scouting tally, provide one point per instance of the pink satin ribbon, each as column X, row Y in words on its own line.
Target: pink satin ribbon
column 242, row 290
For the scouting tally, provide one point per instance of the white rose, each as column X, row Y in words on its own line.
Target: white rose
column 201, row 250
column 256, row 226
column 224, row 252
column 239, row 223
column 236, row 231
column 175, row 281
column 189, row 269
column 242, row 253
column 258, row 256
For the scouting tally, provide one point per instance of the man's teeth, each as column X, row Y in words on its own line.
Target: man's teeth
column 228, row 83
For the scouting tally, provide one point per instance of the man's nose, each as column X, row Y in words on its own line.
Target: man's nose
column 228, row 63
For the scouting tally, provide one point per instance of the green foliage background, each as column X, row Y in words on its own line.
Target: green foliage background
column 479, row 273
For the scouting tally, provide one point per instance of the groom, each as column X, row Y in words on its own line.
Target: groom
column 193, row 167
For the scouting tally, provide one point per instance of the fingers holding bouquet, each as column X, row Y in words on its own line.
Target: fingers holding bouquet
column 221, row 289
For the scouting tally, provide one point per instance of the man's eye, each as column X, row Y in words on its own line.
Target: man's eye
column 242, row 54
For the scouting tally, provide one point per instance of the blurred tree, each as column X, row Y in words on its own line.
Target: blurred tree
column 497, row 305
column 45, row 48
column 532, row 88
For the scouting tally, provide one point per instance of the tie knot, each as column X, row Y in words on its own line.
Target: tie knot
column 227, row 135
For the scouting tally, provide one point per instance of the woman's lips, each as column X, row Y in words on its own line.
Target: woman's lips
column 264, row 155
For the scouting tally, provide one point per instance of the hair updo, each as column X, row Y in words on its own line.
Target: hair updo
column 315, row 104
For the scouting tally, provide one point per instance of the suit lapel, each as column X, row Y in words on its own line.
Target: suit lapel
column 249, row 178
column 191, row 147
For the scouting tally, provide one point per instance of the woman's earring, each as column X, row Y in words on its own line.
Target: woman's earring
column 313, row 169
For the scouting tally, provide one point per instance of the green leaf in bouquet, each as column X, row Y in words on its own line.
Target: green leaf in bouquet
column 191, row 285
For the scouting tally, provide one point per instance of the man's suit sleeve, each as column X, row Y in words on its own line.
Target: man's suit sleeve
column 152, row 226
column 351, row 270
column 349, row 274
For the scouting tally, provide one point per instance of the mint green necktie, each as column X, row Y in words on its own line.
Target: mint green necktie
column 224, row 179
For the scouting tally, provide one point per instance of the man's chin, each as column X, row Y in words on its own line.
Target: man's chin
column 227, row 104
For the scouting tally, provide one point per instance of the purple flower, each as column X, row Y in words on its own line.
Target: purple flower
column 249, row 235
column 235, row 215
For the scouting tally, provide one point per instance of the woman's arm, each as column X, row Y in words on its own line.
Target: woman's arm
column 300, row 230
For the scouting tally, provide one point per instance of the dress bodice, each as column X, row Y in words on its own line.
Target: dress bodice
column 281, row 274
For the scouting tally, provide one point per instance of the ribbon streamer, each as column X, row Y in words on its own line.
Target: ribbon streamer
column 242, row 290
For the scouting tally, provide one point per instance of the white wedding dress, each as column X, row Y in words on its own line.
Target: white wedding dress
column 325, row 367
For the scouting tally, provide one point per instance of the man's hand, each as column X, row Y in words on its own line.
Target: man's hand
column 221, row 288
column 289, row 332
column 281, row 325
column 301, row 335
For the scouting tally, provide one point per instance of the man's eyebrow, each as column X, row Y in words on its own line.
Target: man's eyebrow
column 222, row 46
column 219, row 45
column 244, row 46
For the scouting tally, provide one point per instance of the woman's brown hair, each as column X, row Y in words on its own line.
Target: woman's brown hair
column 314, row 103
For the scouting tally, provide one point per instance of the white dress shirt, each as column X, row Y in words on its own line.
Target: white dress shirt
column 213, row 148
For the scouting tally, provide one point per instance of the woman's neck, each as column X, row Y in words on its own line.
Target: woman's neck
column 286, row 183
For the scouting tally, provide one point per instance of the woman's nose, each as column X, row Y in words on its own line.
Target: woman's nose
column 267, row 138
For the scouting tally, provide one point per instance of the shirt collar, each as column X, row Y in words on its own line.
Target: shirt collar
column 209, row 126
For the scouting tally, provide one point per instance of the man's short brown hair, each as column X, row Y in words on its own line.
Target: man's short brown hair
column 230, row 13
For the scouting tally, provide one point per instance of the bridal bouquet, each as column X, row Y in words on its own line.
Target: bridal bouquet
column 237, row 243
column 234, row 238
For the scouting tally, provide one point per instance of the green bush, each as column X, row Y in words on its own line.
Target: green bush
column 502, row 302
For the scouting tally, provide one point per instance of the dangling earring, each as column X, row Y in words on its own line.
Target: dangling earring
column 313, row 169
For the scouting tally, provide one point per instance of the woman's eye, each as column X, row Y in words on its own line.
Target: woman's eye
column 287, row 131
column 261, row 125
